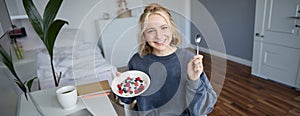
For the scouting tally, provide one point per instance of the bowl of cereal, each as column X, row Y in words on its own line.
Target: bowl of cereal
column 130, row 83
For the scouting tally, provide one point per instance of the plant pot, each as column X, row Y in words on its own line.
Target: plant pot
column 124, row 13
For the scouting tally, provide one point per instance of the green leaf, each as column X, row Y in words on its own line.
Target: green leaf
column 29, row 83
column 50, row 13
column 34, row 17
column 53, row 31
column 4, row 56
column 46, row 27
column 22, row 87
column 59, row 77
column 7, row 60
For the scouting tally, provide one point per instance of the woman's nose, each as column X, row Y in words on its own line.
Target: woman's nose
column 159, row 34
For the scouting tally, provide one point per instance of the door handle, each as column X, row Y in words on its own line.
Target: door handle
column 294, row 17
column 258, row 35
column 298, row 27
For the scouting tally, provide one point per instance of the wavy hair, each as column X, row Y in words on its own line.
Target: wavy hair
column 154, row 8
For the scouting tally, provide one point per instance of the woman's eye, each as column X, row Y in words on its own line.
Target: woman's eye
column 150, row 31
column 164, row 28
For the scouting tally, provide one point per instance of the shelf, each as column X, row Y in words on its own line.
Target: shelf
column 19, row 17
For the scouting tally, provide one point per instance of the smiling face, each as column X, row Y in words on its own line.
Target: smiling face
column 158, row 34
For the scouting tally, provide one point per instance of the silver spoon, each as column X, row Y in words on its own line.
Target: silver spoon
column 197, row 41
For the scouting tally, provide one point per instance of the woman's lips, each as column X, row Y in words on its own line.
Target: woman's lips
column 160, row 42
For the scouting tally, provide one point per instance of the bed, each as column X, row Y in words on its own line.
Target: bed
column 79, row 60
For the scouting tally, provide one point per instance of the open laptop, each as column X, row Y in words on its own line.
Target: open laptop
column 9, row 92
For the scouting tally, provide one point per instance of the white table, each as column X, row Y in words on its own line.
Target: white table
column 47, row 101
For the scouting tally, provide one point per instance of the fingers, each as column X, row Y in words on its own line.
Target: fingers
column 118, row 73
column 197, row 63
column 198, row 57
column 195, row 67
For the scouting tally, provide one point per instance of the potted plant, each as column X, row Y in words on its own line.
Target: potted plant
column 7, row 61
column 47, row 27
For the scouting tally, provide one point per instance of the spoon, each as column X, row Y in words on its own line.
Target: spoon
column 197, row 41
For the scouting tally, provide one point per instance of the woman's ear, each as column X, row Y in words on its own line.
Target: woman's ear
column 144, row 38
column 172, row 40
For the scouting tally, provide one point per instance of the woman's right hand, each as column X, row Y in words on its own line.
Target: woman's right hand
column 115, row 72
column 118, row 74
column 195, row 67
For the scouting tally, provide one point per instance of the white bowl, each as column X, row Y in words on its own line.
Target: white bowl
column 133, row 74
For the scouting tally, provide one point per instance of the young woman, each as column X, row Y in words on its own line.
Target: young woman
column 178, row 84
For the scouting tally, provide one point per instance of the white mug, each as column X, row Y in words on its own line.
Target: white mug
column 67, row 97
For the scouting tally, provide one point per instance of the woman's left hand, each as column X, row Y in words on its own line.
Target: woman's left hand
column 195, row 67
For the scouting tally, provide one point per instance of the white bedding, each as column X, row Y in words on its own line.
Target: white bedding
column 79, row 64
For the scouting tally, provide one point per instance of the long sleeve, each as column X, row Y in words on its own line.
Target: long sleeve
column 171, row 92
column 200, row 95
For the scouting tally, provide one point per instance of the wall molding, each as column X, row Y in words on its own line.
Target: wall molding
column 226, row 56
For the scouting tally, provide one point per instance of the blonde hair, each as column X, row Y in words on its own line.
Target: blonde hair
column 154, row 8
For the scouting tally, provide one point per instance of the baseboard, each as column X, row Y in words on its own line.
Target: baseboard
column 266, row 78
column 258, row 75
column 226, row 56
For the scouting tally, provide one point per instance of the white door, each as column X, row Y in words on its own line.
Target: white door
column 276, row 50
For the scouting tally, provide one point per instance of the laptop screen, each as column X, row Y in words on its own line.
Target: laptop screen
column 9, row 96
column 9, row 91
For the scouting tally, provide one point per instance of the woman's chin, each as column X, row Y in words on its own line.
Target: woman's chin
column 160, row 47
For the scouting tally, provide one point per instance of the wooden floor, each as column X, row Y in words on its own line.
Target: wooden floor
column 245, row 94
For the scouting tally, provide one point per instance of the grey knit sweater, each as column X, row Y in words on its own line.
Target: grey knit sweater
column 170, row 91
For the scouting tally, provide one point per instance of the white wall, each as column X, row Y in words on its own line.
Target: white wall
column 235, row 19
column 74, row 11
column 82, row 14
column 5, row 22
column 1, row 30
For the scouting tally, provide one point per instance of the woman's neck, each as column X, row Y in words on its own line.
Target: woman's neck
column 165, row 52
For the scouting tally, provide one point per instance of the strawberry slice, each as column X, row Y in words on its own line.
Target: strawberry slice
column 127, row 84
column 138, row 78
column 136, row 84
column 136, row 91
column 119, row 86
column 141, row 88
column 121, row 91
column 129, row 89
